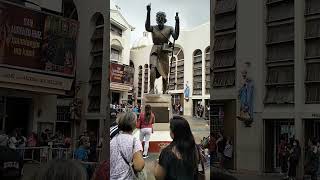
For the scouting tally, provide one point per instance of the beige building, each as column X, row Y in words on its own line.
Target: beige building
column 120, row 34
column 190, row 55
column 276, row 42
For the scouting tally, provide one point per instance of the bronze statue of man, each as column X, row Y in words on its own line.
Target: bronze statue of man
column 159, row 59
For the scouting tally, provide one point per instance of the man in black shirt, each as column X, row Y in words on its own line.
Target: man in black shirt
column 11, row 164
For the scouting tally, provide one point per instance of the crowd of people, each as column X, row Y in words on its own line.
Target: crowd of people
column 201, row 111
column 181, row 158
column 84, row 150
column 119, row 108
column 289, row 155
column 221, row 150
column 177, row 109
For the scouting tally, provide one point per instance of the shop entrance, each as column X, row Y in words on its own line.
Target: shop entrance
column 93, row 126
column 195, row 105
column 175, row 100
column 275, row 130
column 17, row 114
column 312, row 129
column 223, row 119
column 115, row 98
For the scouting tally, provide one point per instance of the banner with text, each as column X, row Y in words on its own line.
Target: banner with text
column 37, row 42
column 121, row 74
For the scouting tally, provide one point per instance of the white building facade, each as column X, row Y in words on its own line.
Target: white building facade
column 120, row 34
column 190, row 66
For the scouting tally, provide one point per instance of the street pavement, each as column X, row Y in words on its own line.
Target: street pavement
column 199, row 128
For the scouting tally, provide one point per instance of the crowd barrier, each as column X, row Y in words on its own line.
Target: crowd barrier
column 43, row 154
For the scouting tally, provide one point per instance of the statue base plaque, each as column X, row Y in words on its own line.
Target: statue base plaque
column 161, row 106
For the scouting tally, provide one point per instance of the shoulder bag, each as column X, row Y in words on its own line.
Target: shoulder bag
column 201, row 172
column 136, row 175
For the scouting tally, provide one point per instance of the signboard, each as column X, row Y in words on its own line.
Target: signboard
column 121, row 74
column 34, row 79
column 37, row 42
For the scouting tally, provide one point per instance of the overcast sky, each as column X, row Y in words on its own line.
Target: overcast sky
column 191, row 13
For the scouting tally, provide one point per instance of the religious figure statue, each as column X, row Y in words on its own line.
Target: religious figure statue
column 186, row 92
column 159, row 59
column 246, row 99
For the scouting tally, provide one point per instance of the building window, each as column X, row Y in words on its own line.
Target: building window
column 280, row 52
column 197, row 72
column 94, row 95
column 176, row 79
column 280, row 75
column 225, row 6
column 225, row 42
column 224, row 79
column 63, row 122
column 172, row 78
column 207, row 70
column 280, row 95
column 115, row 55
column 224, row 61
column 312, row 54
column 98, row 33
column 146, row 78
column 313, row 93
column 226, row 22
column 140, row 81
column 216, row 117
column 280, row 10
column 115, row 30
column 312, row 7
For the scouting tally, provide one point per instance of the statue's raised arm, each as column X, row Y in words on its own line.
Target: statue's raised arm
column 147, row 25
column 175, row 33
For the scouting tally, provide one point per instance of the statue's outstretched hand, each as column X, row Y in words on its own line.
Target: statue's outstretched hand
column 149, row 7
column 177, row 17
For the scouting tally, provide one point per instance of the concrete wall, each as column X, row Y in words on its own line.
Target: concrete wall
column 87, row 14
column 251, row 38
column 250, row 48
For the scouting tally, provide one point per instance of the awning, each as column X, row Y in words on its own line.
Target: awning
column 120, row 87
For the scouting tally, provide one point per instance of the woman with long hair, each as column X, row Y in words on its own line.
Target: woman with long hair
column 145, row 122
column 180, row 159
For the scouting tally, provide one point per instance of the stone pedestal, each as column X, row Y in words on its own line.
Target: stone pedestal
column 161, row 106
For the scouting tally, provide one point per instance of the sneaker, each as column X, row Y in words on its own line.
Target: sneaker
column 145, row 156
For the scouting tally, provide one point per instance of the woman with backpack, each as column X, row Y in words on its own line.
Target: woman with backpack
column 145, row 124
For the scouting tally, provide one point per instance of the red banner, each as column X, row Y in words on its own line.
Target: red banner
column 37, row 42
column 121, row 74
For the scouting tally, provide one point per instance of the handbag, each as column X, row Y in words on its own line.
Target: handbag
column 201, row 175
column 136, row 175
